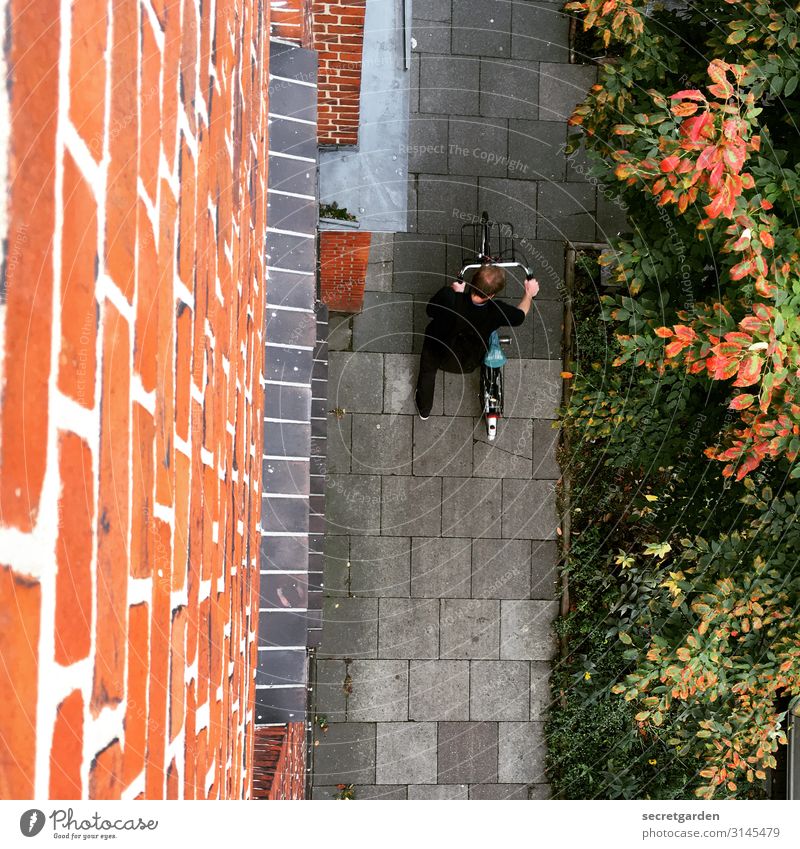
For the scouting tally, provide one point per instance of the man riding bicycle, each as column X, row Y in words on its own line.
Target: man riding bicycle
column 463, row 317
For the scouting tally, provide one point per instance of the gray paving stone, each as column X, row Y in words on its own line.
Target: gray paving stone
column 499, row 690
column 353, row 504
column 442, row 201
column 409, row 628
column 467, row 752
column 546, row 260
column 580, row 163
column 449, row 85
column 381, row 444
column 385, row 323
column 337, row 565
column 612, row 215
column 363, row 792
column 349, row 628
column 380, row 566
column 438, row 791
column 432, row 10
column 561, row 88
column 338, row 447
column 478, row 147
column 541, row 697
column 443, row 445
column 482, row 27
column 545, row 442
column 544, row 570
column 411, row 81
column 355, row 382
column 526, row 630
column 427, row 144
column 400, row 380
column 470, row 628
column 329, row 690
column 381, row 792
column 378, row 691
column 522, row 752
column 381, row 247
column 529, row 509
column 431, row 36
column 461, row 393
column 495, row 792
column 536, row 150
column 539, row 31
column 567, row 211
column 547, row 318
column 509, row 89
column 406, row 753
column 501, row 568
column 345, row 754
column 509, row 455
column 471, row 507
column 411, row 505
column 532, row 389
column 411, row 197
column 340, row 331
column 419, row 263
column 379, row 277
column 513, row 201
column 438, row 690
column 440, row 568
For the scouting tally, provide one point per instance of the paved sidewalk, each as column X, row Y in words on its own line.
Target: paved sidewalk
column 440, row 569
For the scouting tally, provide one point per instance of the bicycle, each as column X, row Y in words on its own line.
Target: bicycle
column 490, row 244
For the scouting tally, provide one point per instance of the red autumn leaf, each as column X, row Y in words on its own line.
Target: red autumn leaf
column 742, row 402
column 716, row 175
column 734, row 157
column 714, row 208
column 707, row 157
column 694, row 128
column 749, row 370
column 739, row 337
column 741, row 270
column 747, row 466
column 684, row 110
column 688, row 94
column 663, row 332
column 766, row 239
column 765, row 204
column 685, row 333
column 674, row 348
column 670, row 163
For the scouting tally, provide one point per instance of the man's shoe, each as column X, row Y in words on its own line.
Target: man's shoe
column 423, row 416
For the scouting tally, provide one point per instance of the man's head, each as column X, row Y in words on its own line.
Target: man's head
column 488, row 281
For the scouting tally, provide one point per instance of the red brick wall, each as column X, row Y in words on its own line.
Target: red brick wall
column 279, row 762
column 338, row 36
column 130, row 426
column 291, row 20
column 343, row 260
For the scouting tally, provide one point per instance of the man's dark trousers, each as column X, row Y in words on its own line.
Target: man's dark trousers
column 435, row 356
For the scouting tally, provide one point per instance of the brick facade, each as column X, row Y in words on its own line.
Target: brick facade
column 130, row 430
column 343, row 261
column 290, row 20
column 279, row 765
column 338, row 36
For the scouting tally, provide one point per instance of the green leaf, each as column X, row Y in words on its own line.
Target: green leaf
column 625, row 638
column 736, row 36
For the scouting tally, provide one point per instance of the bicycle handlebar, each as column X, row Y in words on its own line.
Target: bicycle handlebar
column 475, row 265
